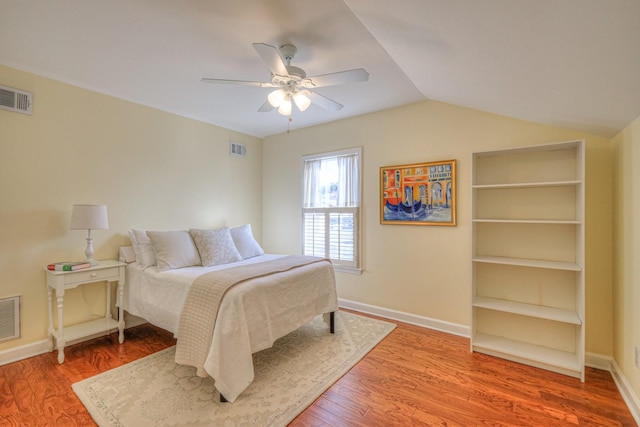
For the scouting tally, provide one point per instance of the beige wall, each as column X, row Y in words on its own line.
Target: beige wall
column 156, row 170
column 626, row 243
column 426, row 271
column 153, row 169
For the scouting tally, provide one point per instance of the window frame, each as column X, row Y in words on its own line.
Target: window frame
column 354, row 267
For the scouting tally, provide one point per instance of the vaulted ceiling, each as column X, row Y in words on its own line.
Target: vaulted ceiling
column 569, row 63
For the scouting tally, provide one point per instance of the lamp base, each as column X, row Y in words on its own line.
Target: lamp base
column 88, row 252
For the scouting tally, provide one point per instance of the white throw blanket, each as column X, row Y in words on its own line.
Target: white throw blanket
column 226, row 355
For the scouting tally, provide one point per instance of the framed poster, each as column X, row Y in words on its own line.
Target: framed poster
column 418, row 194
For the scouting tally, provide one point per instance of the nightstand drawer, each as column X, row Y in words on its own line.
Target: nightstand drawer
column 92, row 276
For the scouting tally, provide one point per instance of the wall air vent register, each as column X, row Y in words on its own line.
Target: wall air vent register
column 15, row 100
column 237, row 149
column 10, row 318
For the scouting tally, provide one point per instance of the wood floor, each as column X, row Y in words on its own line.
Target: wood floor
column 415, row 377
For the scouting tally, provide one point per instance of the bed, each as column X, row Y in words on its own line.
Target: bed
column 251, row 316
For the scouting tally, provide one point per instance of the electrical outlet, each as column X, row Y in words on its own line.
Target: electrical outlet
column 635, row 357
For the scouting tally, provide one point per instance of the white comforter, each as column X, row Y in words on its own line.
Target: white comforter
column 251, row 316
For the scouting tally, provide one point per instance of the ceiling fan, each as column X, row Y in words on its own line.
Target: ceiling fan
column 292, row 83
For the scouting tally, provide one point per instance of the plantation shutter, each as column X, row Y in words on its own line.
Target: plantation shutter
column 331, row 232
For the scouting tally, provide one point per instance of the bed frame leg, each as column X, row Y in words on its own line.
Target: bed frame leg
column 222, row 398
column 332, row 322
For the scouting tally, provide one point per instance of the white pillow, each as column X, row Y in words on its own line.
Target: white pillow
column 143, row 248
column 173, row 249
column 126, row 254
column 245, row 242
column 215, row 246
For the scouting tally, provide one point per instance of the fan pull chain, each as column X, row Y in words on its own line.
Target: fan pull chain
column 289, row 124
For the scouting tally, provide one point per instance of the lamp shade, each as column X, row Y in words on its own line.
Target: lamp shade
column 89, row 217
column 302, row 100
column 285, row 105
column 276, row 97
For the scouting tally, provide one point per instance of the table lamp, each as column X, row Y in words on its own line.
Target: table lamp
column 89, row 217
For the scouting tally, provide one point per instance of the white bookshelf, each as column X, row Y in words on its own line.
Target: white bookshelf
column 528, row 255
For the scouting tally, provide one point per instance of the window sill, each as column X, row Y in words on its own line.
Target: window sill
column 349, row 270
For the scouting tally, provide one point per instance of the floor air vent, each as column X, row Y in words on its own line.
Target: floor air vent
column 9, row 318
column 237, row 149
column 15, row 100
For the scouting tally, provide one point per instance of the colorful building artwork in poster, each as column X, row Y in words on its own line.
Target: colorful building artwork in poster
column 418, row 194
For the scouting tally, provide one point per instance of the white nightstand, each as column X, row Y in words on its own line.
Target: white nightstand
column 109, row 271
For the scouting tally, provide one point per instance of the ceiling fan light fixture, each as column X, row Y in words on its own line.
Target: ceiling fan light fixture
column 276, row 97
column 290, row 81
column 285, row 106
column 302, row 100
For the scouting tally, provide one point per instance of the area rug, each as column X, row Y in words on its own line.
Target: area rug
column 155, row 391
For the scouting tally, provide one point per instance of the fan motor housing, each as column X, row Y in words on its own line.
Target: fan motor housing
column 288, row 51
column 297, row 72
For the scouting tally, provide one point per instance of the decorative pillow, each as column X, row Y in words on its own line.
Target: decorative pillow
column 143, row 248
column 215, row 246
column 245, row 242
column 126, row 254
column 173, row 249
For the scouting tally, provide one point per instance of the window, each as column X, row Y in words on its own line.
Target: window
column 331, row 207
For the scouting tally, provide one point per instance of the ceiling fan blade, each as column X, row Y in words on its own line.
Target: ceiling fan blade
column 238, row 82
column 266, row 107
column 341, row 77
column 324, row 102
column 272, row 58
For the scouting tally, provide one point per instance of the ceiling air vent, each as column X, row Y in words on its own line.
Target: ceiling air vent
column 15, row 100
column 237, row 149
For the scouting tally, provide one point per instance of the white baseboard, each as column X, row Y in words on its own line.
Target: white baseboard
column 598, row 361
column 132, row 321
column 412, row 319
column 629, row 396
column 607, row 363
column 24, row 352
